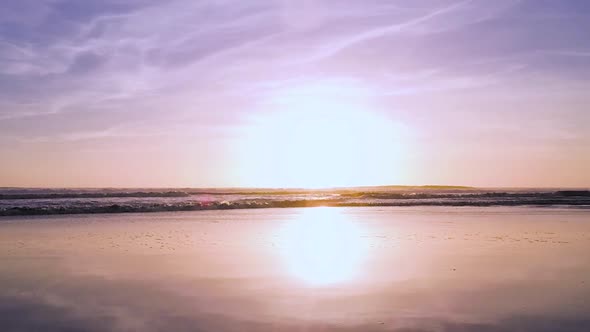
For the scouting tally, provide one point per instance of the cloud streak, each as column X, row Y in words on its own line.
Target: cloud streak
column 209, row 64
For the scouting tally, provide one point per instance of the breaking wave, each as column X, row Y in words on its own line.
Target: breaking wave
column 86, row 201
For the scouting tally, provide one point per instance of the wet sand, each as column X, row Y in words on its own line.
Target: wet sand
column 314, row 269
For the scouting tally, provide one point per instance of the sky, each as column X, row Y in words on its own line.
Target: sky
column 310, row 93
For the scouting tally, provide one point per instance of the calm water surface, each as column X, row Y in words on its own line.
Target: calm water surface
column 313, row 269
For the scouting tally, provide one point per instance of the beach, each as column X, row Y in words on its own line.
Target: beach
column 294, row 166
column 299, row 269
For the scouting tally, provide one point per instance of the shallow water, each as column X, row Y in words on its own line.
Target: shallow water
column 313, row 269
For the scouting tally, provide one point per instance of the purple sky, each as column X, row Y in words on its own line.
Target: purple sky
column 164, row 93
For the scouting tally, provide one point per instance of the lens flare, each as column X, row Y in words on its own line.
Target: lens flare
column 319, row 137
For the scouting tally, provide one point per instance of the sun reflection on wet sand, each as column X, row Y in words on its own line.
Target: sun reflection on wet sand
column 323, row 246
column 312, row 269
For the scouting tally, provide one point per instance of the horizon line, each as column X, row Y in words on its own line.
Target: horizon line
column 392, row 186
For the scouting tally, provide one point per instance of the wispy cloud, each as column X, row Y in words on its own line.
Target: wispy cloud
column 149, row 60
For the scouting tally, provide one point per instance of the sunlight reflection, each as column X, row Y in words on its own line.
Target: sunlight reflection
column 323, row 246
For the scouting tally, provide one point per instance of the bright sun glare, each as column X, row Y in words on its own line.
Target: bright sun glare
column 319, row 136
column 323, row 246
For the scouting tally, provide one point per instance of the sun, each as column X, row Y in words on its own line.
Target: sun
column 323, row 247
column 319, row 137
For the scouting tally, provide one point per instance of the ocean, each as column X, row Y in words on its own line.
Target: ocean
column 42, row 201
